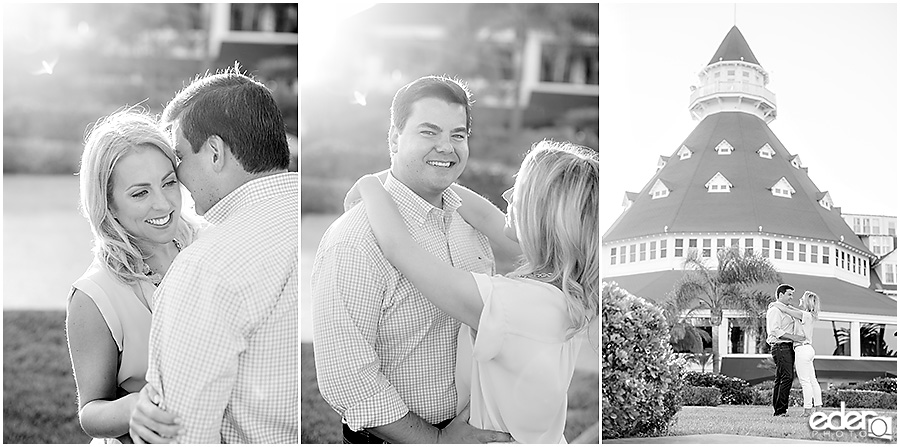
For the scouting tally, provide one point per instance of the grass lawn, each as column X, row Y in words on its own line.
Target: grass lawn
column 321, row 425
column 39, row 403
column 754, row 420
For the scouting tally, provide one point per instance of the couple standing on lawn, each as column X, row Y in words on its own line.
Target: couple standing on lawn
column 184, row 329
column 395, row 276
column 790, row 333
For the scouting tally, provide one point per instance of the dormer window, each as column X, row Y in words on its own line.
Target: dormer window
column 766, row 151
column 825, row 201
column 795, row 162
column 629, row 199
column 718, row 183
column 661, row 163
column 724, row 148
column 659, row 190
column 684, row 153
column 783, row 189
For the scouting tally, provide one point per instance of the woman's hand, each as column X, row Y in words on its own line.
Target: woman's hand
column 149, row 423
column 353, row 197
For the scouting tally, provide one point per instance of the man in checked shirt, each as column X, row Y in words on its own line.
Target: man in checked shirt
column 385, row 356
column 223, row 340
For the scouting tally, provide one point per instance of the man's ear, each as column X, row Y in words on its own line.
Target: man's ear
column 393, row 136
column 218, row 149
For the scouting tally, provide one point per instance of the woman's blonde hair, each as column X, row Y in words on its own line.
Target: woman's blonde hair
column 813, row 305
column 108, row 141
column 556, row 208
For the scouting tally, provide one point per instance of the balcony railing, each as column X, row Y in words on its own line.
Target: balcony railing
column 733, row 87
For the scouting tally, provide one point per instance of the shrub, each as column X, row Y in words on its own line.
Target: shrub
column 763, row 396
column 883, row 384
column 641, row 375
column 859, row 399
column 735, row 391
column 701, row 396
column 324, row 196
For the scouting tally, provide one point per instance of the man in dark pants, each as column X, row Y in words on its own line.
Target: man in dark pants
column 782, row 333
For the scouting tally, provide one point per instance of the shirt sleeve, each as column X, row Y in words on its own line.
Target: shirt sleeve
column 198, row 331
column 773, row 323
column 348, row 291
column 492, row 326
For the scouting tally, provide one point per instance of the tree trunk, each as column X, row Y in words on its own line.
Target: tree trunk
column 715, row 347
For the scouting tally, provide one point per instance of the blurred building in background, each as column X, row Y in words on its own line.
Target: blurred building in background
column 67, row 65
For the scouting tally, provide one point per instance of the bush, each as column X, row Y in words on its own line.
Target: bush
column 39, row 156
column 883, row 384
column 735, row 391
column 701, row 396
column 763, row 396
column 641, row 375
column 859, row 399
column 323, row 196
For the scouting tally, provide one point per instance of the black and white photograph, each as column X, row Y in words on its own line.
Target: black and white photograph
column 150, row 223
column 749, row 222
column 449, row 224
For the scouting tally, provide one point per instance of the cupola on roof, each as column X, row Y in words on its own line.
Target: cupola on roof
column 734, row 48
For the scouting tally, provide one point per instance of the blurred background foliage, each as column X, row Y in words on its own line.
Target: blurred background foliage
column 67, row 65
column 532, row 69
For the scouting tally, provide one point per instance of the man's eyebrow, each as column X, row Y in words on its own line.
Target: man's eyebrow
column 439, row 129
column 431, row 126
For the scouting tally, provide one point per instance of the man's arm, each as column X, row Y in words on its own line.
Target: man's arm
column 775, row 327
column 348, row 290
column 196, row 336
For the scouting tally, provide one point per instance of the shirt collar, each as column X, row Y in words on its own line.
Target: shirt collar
column 413, row 206
column 251, row 192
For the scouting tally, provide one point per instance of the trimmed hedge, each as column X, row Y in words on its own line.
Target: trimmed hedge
column 641, row 375
column 859, row 399
column 883, row 384
column 763, row 396
column 830, row 398
column 735, row 391
column 706, row 396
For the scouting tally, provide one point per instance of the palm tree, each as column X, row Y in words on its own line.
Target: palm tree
column 726, row 287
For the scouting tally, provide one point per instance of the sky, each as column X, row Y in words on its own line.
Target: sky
column 832, row 68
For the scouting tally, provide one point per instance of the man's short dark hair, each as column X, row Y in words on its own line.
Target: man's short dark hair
column 448, row 89
column 782, row 289
column 238, row 109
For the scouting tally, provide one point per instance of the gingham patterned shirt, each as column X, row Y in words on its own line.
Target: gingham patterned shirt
column 381, row 348
column 223, row 341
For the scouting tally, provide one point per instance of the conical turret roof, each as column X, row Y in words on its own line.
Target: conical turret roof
column 734, row 48
column 750, row 204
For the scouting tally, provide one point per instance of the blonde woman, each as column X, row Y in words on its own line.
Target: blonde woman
column 804, row 353
column 523, row 325
column 131, row 198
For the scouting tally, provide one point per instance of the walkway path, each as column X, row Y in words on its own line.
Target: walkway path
column 712, row 439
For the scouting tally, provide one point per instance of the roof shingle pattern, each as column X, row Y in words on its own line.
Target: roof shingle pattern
column 750, row 204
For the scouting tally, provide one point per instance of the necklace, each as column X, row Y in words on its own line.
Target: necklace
column 150, row 273
column 540, row 275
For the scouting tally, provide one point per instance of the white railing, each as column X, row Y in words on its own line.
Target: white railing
column 733, row 87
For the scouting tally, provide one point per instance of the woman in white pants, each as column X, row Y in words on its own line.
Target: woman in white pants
column 804, row 353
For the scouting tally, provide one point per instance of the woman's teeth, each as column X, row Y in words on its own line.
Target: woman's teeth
column 159, row 222
column 440, row 164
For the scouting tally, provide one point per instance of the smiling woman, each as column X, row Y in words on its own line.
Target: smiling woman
column 130, row 196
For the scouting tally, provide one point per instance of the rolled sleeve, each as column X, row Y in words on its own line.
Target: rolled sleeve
column 348, row 290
